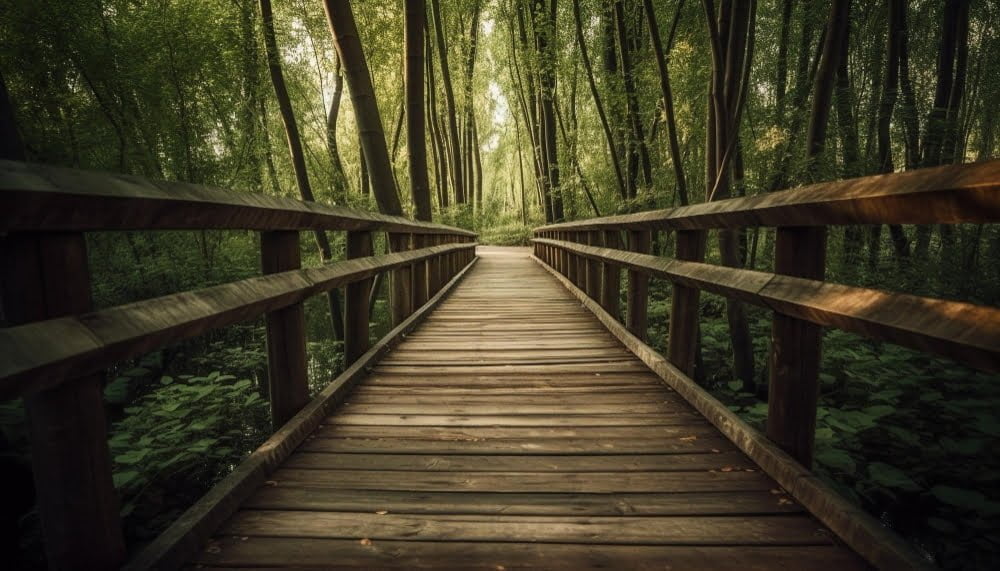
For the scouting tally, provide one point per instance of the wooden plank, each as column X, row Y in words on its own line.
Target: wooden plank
column 854, row 526
column 941, row 195
column 183, row 538
column 734, row 461
column 461, row 444
column 94, row 341
column 526, row 482
column 492, row 408
column 689, row 431
column 574, row 420
column 382, row 554
column 45, row 276
column 288, row 379
column 793, row 387
column 36, row 197
column 650, row 530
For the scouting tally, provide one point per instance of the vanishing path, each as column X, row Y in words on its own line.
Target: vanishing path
column 511, row 429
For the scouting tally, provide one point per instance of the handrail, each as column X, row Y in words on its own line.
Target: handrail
column 91, row 342
column 590, row 258
column 54, row 351
column 941, row 195
column 37, row 198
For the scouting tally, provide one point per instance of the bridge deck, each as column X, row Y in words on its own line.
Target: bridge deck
column 511, row 429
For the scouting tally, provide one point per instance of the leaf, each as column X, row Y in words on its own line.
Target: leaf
column 837, row 459
column 965, row 499
column 891, row 477
column 735, row 385
column 879, row 410
column 166, row 380
column 133, row 457
column 122, row 479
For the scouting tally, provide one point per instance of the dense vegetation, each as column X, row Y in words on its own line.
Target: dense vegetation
column 534, row 111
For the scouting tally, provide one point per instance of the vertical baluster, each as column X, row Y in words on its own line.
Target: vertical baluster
column 593, row 269
column 420, row 289
column 288, row 379
column 795, row 348
column 356, row 335
column 46, row 276
column 683, row 335
column 611, row 279
column 637, row 299
column 402, row 297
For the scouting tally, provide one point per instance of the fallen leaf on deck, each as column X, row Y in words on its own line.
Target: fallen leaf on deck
column 688, row 438
column 365, row 541
column 382, row 512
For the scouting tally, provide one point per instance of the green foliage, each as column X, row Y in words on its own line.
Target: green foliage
column 175, row 442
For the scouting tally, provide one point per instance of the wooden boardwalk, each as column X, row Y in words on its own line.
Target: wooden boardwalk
column 512, row 430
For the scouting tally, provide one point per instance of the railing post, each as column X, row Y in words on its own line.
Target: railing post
column 579, row 276
column 612, row 278
column 46, row 276
column 356, row 339
column 401, row 301
column 683, row 334
column 420, row 290
column 795, row 348
column 287, row 373
column 436, row 263
column 637, row 298
column 572, row 260
column 593, row 269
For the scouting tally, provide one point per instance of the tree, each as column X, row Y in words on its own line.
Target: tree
column 416, row 144
column 296, row 152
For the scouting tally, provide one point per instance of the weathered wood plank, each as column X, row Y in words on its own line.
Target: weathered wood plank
column 941, row 195
column 349, row 553
column 650, row 530
column 94, row 341
column 36, row 197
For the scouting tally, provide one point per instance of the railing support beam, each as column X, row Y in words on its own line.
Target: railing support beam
column 611, row 278
column 637, row 298
column 795, row 348
column 682, row 343
column 287, row 373
column 402, row 296
column 356, row 334
column 46, row 276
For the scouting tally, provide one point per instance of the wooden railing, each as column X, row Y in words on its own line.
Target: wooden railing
column 54, row 351
column 589, row 253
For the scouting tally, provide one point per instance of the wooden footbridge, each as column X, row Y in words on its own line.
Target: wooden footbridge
column 511, row 418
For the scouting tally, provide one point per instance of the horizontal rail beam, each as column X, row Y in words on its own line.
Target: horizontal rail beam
column 36, row 198
column 941, row 195
column 962, row 331
column 31, row 362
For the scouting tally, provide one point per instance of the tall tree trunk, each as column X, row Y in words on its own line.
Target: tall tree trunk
column 731, row 40
column 850, row 150
column 332, row 117
column 598, row 103
column 297, row 154
column 836, row 35
column 416, row 145
column 668, row 97
column 439, row 147
column 637, row 150
column 366, row 113
column 545, row 28
column 890, row 92
column 455, row 159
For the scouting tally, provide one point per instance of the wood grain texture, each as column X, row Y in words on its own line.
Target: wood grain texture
column 37, row 197
column 93, row 341
column 288, row 380
column 941, row 195
column 501, row 428
column 850, row 523
column 961, row 331
column 182, row 539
